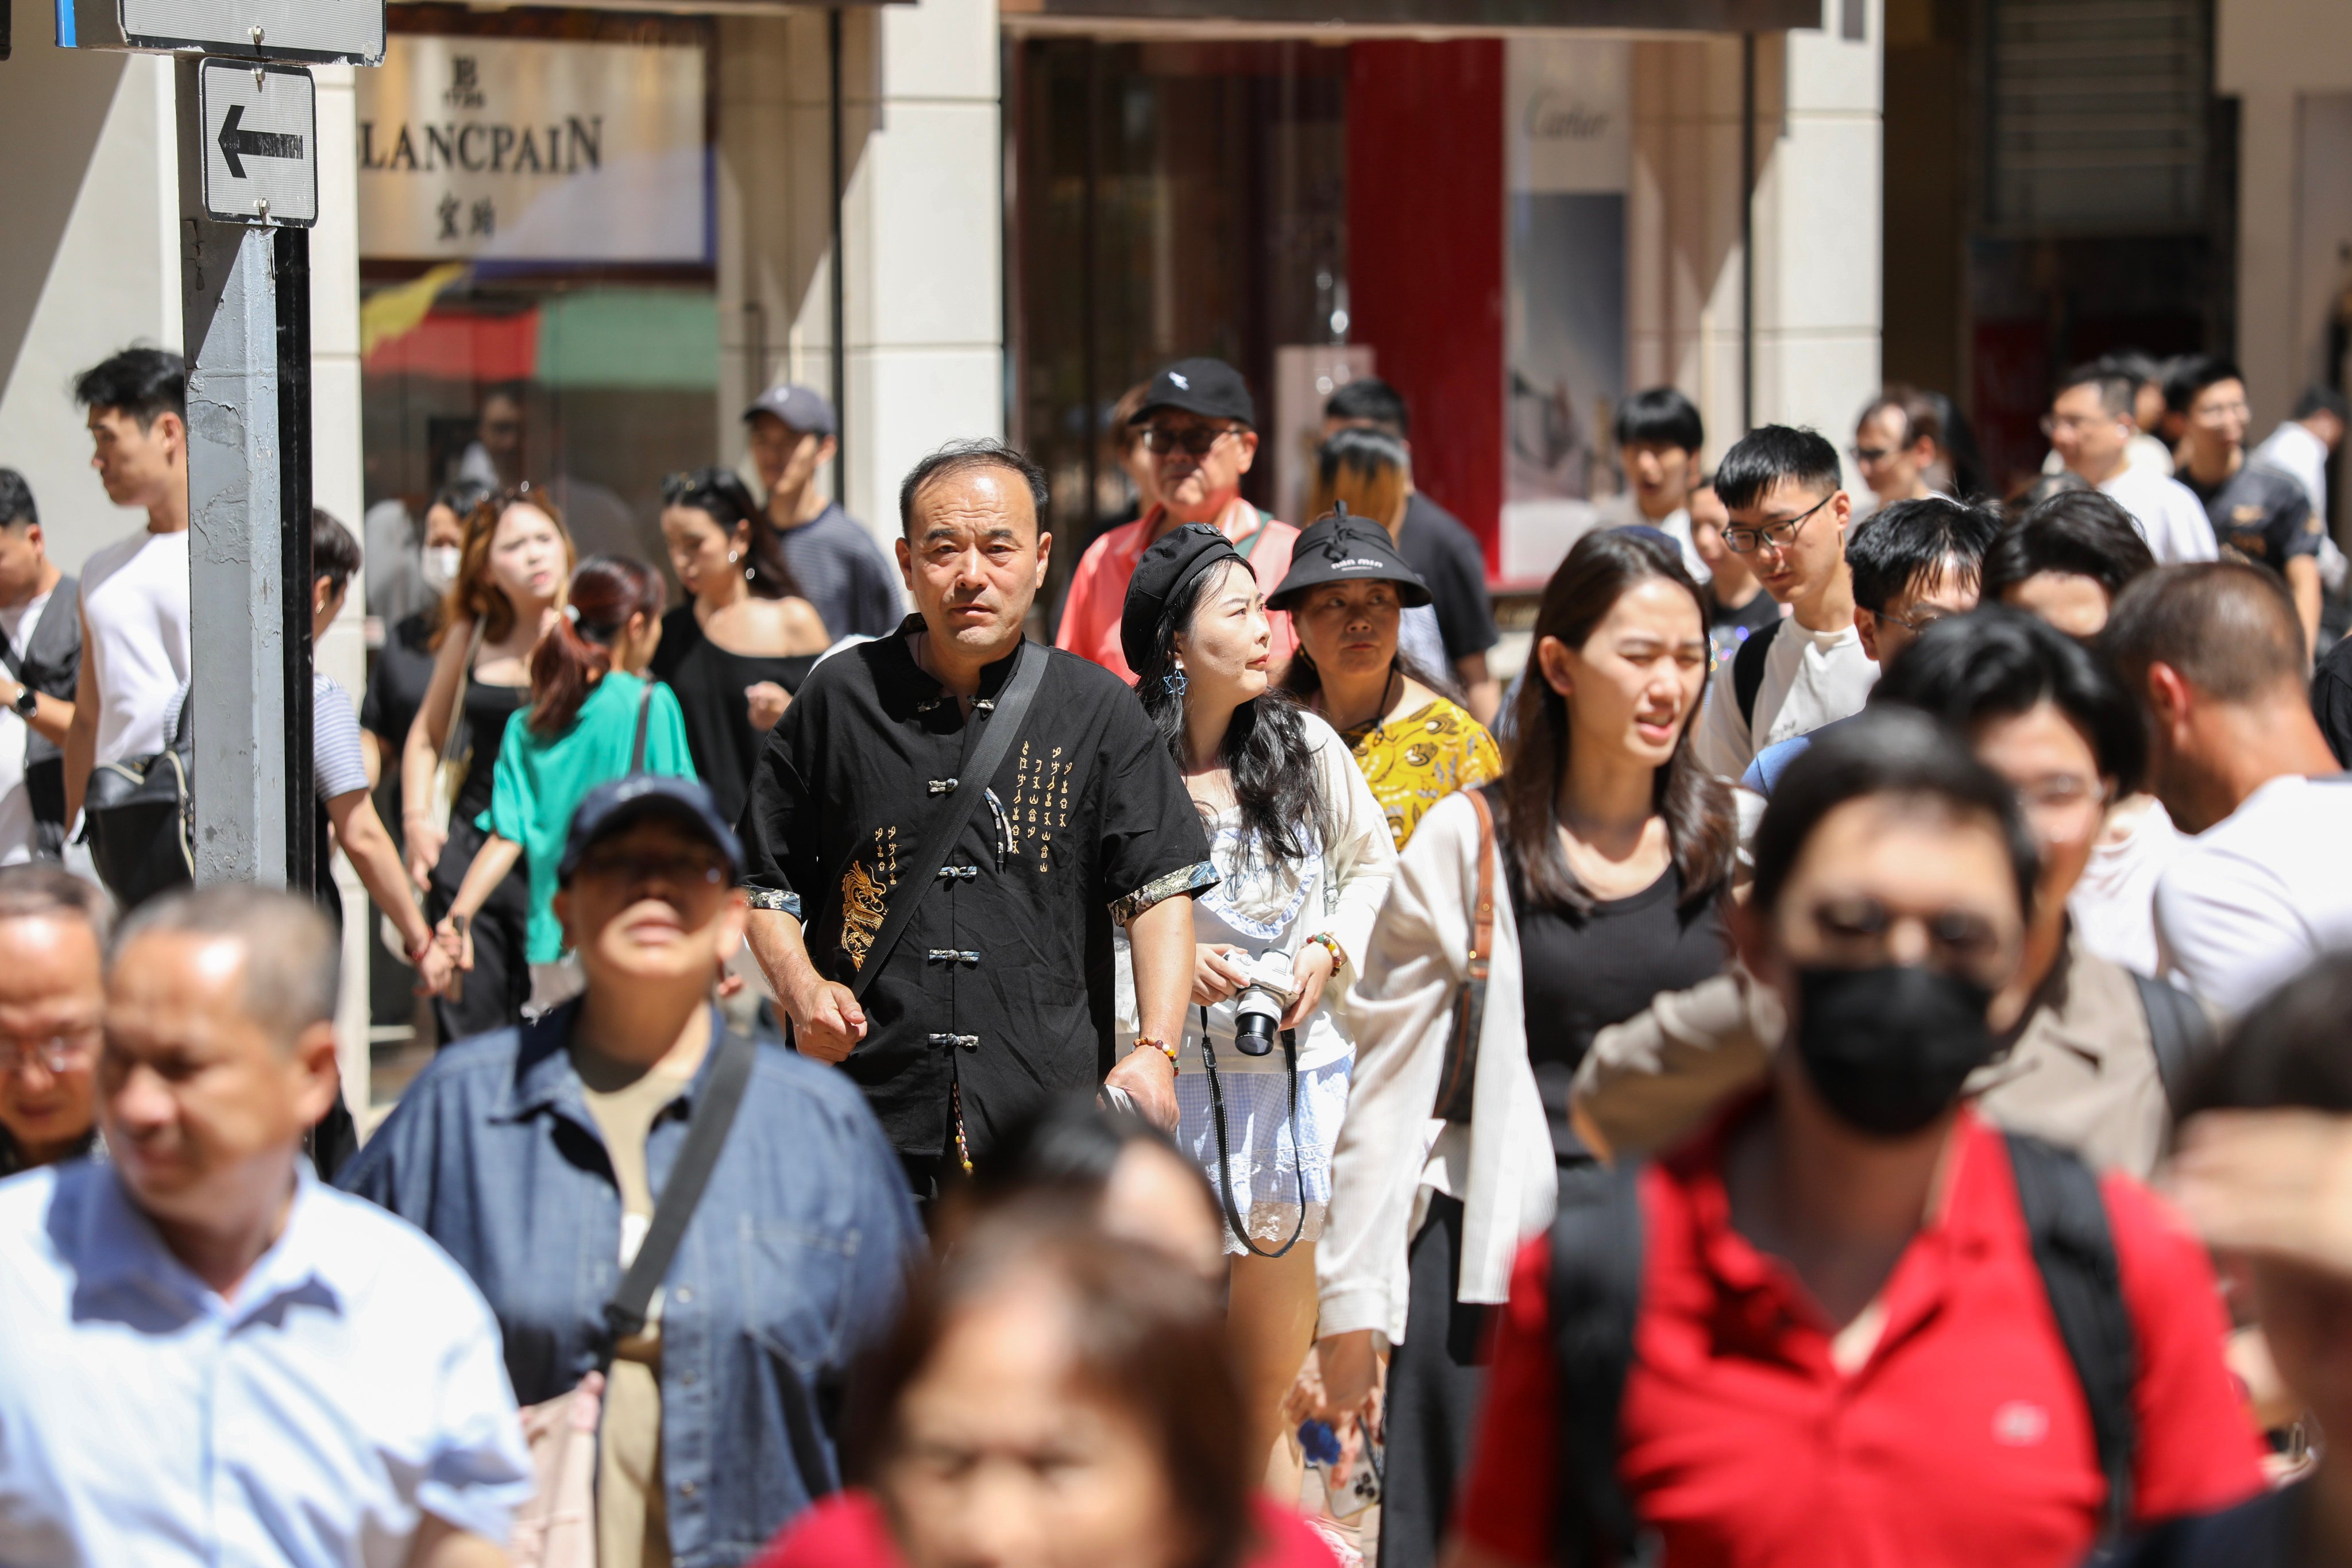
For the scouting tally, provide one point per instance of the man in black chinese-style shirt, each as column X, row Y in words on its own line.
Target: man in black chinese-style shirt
column 998, row 994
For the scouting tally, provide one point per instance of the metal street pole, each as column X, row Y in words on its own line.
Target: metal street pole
column 236, row 579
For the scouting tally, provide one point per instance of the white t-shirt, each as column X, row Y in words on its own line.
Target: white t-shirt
column 2250, row 901
column 2113, row 905
column 2295, row 451
column 2170, row 517
column 20, row 836
column 134, row 608
column 1810, row 678
column 1621, row 511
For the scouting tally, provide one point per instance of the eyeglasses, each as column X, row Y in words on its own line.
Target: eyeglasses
column 637, row 871
column 2222, row 413
column 2053, row 423
column 1959, row 942
column 57, row 1054
column 1915, row 624
column 1193, row 440
column 1773, row 536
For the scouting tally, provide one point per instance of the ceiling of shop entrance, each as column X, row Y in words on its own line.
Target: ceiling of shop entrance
column 1423, row 17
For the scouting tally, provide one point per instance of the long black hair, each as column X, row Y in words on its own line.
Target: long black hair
column 1265, row 746
column 1602, row 568
column 721, row 495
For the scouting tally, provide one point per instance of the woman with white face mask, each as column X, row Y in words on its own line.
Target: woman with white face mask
column 404, row 665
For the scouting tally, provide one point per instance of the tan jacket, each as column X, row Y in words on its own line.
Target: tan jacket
column 2079, row 1072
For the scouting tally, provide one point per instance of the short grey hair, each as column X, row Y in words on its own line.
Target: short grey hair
column 33, row 891
column 293, row 963
column 964, row 457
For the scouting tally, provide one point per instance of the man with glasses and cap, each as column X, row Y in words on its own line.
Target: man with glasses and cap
column 1199, row 429
column 943, row 828
column 838, row 565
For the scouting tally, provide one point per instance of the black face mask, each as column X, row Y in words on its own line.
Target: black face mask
column 1888, row 1048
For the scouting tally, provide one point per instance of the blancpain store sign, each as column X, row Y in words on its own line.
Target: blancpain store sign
column 522, row 150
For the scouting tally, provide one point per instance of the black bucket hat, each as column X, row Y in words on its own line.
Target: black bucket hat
column 1344, row 548
column 1164, row 570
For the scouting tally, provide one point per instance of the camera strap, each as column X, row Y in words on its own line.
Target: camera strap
column 1226, row 1158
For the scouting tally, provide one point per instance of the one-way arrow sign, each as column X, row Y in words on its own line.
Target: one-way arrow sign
column 260, row 142
column 237, row 145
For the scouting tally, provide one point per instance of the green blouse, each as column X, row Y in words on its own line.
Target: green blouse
column 540, row 780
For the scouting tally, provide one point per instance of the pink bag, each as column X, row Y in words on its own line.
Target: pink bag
column 557, row 1529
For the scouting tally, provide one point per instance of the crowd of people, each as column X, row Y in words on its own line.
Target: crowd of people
column 911, row 1094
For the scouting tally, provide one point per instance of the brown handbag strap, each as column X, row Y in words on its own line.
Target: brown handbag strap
column 1482, row 911
column 450, row 749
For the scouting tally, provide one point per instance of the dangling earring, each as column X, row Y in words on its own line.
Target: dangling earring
column 1173, row 684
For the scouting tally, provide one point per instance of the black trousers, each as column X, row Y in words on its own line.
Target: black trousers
column 1436, row 1378
column 492, row 995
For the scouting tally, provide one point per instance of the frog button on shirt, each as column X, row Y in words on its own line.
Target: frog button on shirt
column 999, row 995
column 351, row 1385
column 1963, row 1439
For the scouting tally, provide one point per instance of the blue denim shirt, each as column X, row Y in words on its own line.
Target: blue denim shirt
column 795, row 1259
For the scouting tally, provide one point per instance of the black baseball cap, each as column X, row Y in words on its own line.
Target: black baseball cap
column 1342, row 548
column 619, row 804
column 804, row 408
column 1208, row 387
column 1166, row 567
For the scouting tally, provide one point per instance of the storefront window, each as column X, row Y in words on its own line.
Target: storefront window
column 538, row 299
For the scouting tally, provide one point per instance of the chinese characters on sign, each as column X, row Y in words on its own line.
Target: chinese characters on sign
column 523, row 150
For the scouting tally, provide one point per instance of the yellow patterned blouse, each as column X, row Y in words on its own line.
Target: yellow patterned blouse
column 1414, row 762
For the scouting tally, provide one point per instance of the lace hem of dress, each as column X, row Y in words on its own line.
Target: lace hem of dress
column 1270, row 1225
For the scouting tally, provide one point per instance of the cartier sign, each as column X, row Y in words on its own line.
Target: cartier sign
column 521, row 150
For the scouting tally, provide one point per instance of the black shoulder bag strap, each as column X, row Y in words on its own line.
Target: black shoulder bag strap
column 2066, row 1220
column 1748, row 669
column 706, row 1134
column 1595, row 1299
column 985, row 747
column 2178, row 1031
column 644, row 714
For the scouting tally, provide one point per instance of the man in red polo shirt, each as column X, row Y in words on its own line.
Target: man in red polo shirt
column 1842, row 1352
column 1199, row 426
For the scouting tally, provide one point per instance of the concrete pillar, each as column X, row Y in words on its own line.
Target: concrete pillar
column 89, row 261
column 1683, row 260
column 1817, row 220
column 923, row 217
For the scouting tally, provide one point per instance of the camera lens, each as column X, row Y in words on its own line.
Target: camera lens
column 1254, row 1034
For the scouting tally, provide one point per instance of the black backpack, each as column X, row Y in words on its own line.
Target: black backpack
column 1748, row 669
column 140, row 818
column 1596, row 1286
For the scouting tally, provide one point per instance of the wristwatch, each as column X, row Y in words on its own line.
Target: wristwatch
column 27, row 702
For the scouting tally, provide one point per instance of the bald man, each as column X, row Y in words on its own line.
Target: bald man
column 2215, row 654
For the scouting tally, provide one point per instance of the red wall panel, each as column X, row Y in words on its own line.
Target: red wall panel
column 1426, row 256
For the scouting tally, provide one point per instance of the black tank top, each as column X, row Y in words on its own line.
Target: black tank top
column 1579, row 974
column 708, row 681
column 488, row 709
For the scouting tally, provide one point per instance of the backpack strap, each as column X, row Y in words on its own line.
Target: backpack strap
column 2075, row 1248
column 2177, row 1030
column 1748, row 670
column 1596, row 1295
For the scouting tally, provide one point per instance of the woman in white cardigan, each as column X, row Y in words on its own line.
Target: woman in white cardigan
column 1612, row 853
column 1303, row 856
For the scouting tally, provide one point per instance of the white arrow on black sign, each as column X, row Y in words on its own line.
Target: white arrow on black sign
column 260, row 142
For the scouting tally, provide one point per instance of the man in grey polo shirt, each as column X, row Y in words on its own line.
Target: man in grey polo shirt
column 837, row 565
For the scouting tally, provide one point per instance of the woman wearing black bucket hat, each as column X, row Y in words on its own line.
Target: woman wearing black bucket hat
column 1303, row 856
column 1346, row 593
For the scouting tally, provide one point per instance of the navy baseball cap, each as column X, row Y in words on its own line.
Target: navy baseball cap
column 804, row 408
column 619, row 804
column 1208, row 387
